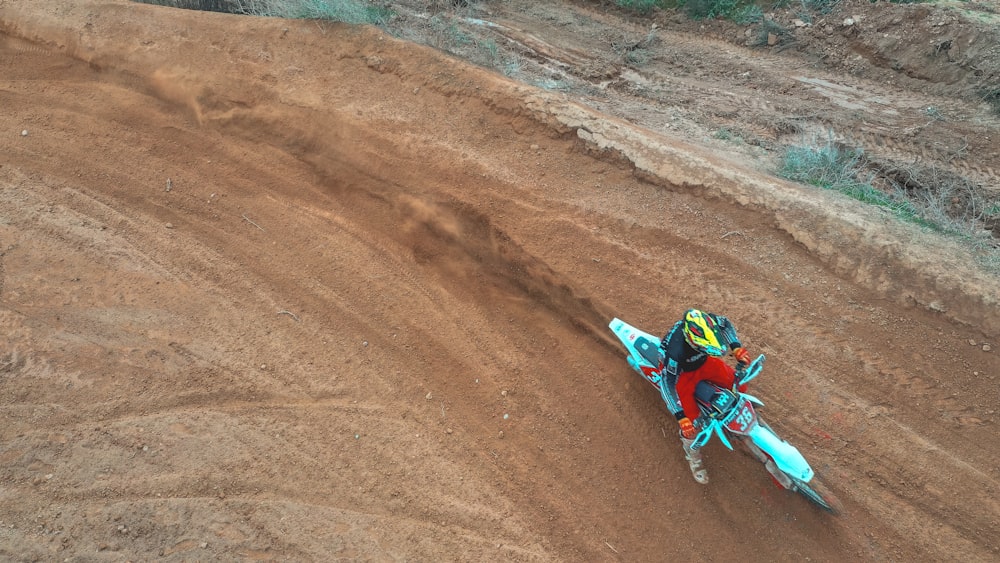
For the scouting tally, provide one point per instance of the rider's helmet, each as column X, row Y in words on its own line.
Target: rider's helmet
column 701, row 332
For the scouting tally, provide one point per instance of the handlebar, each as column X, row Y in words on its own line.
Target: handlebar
column 745, row 373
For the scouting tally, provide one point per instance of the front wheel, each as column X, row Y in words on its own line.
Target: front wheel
column 818, row 494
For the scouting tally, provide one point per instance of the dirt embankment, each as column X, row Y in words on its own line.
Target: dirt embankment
column 292, row 290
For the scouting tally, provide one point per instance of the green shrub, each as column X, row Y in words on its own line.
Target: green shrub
column 707, row 9
column 449, row 36
column 640, row 6
column 929, row 197
column 770, row 27
column 748, row 14
column 842, row 170
column 347, row 11
column 739, row 11
column 991, row 95
column 819, row 6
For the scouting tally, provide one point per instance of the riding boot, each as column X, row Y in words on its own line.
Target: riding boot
column 693, row 457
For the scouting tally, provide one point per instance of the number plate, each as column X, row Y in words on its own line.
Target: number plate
column 743, row 419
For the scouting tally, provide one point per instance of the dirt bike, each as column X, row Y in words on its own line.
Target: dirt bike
column 729, row 414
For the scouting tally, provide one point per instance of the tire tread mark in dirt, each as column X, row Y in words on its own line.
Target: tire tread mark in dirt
column 481, row 247
column 366, row 202
column 129, row 81
column 925, row 494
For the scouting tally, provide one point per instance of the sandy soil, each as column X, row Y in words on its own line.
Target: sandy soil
column 288, row 290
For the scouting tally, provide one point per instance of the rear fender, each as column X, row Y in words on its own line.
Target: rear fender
column 630, row 336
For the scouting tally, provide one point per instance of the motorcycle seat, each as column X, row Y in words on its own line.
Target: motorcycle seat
column 649, row 350
column 704, row 391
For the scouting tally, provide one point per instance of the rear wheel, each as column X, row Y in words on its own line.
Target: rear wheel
column 819, row 494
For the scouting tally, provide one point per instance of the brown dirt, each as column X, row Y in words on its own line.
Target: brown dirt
column 292, row 290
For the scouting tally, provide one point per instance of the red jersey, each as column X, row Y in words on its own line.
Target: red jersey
column 714, row 370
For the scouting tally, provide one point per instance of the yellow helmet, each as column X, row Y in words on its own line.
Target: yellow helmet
column 700, row 331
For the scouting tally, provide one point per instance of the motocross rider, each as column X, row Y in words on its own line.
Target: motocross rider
column 692, row 352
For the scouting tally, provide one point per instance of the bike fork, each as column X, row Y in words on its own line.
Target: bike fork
column 779, row 477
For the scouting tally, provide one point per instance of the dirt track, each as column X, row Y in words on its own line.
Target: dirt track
column 280, row 290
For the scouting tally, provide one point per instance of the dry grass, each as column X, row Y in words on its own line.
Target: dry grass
column 928, row 196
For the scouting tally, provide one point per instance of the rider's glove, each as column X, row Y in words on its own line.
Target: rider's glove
column 687, row 428
column 741, row 355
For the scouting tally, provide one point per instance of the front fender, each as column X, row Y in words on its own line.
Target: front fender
column 786, row 457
